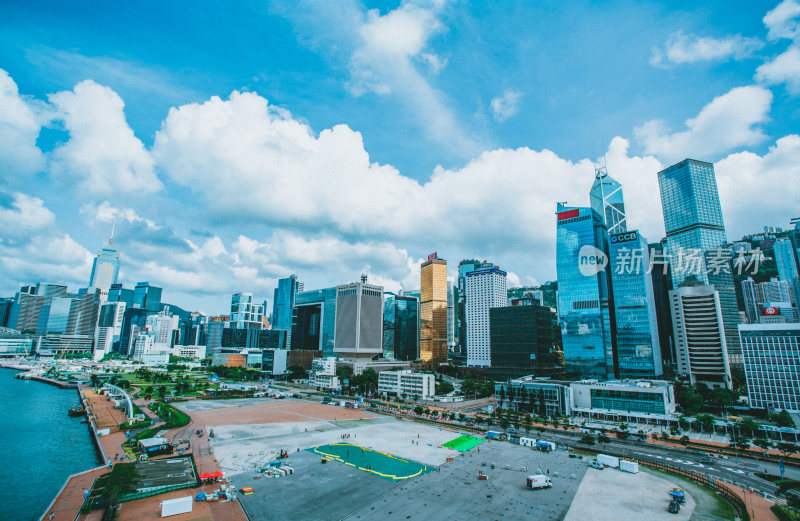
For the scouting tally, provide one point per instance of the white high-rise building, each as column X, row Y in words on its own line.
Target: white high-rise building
column 161, row 326
column 245, row 313
column 486, row 289
column 773, row 291
column 700, row 335
column 109, row 328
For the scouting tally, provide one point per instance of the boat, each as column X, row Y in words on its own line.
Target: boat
column 78, row 410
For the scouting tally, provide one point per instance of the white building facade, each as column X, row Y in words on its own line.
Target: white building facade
column 407, row 383
column 486, row 289
column 323, row 374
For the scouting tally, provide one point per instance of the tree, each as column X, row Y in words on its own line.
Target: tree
column 297, row 372
column 587, row 439
column 763, row 444
column 741, row 443
column 444, row 388
column 706, row 421
column 95, row 380
column 504, row 423
column 787, row 448
column 526, row 422
column 602, row 439
column 418, row 410
column 781, row 419
column 684, row 440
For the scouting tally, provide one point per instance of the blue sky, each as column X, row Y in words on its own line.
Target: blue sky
column 235, row 145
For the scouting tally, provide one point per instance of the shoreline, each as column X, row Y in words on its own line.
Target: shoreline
column 24, row 371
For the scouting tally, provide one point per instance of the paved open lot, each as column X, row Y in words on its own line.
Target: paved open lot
column 613, row 495
column 265, row 410
column 336, row 491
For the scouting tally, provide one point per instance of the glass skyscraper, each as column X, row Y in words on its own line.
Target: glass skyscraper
column 400, row 327
column 608, row 202
column 283, row 303
column 695, row 236
column 784, row 258
column 314, row 309
column 583, row 298
column 433, row 311
column 692, row 217
column 638, row 348
column 105, row 267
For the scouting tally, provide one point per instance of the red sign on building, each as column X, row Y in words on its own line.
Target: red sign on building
column 433, row 256
column 569, row 214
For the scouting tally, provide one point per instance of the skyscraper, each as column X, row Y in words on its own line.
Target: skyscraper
column 359, row 320
column 607, row 201
column 785, row 259
column 464, row 267
column 400, row 327
column 638, row 348
column 695, row 236
column 583, row 294
column 147, row 297
column 699, row 334
column 283, row 304
column 245, row 313
column 105, row 267
column 433, row 311
column 750, row 300
column 314, row 320
column 486, row 289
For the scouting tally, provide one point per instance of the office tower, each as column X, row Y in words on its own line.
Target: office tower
column 785, row 259
column 162, row 326
column 109, row 328
column 433, row 311
column 638, row 347
column 359, row 320
column 451, row 316
column 314, row 320
column 486, row 289
column 583, row 294
column 24, row 314
column 695, row 236
column 794, row 285
column 750, row 300
column 194, row 330
column 283, row 304
column 105, row 267
column 147, row 297
column 773, row 291
column 771, row 356
column 400, row 327
column 49, row 290
column 57, row 318
column 662, row 284
column 464, row 267
column 133, row 319
column 607, row 201
column 700, row 342
column 522, row 342
column 245, row 313
column 90, row 300
column 5, row 310
column 119, row 294
column 214, row 331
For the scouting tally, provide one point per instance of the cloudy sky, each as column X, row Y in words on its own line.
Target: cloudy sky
column 231, row 146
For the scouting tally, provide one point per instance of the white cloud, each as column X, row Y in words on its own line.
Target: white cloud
column 689, row 48
column 729, row 121
column 20, row 122
column 505, row 106
column 784, row 68
column 782, row 21
column 24, row 215
column 102, row 156
column 773, row 179
column 107, row 214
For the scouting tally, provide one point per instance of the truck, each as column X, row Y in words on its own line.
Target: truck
column 628, row 466
column 494, row 435
column 608, row 461
column 545, row 446
column 538, row 481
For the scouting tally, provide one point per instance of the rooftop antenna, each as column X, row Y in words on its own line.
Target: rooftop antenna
column 111, row 239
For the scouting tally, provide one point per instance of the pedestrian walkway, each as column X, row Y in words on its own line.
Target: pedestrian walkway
column 69, row 500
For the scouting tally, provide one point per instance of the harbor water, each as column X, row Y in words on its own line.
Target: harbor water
column 42, row 446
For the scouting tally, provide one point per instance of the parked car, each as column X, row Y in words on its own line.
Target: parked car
column 596, row 465
column 707, row 460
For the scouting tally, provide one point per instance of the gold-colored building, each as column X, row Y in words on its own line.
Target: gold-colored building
column 433, row 311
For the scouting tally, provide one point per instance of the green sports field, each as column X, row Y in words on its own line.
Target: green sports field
column 378, row 463
column 463, row 443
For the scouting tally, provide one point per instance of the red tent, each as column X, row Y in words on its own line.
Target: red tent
column 210, row 475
